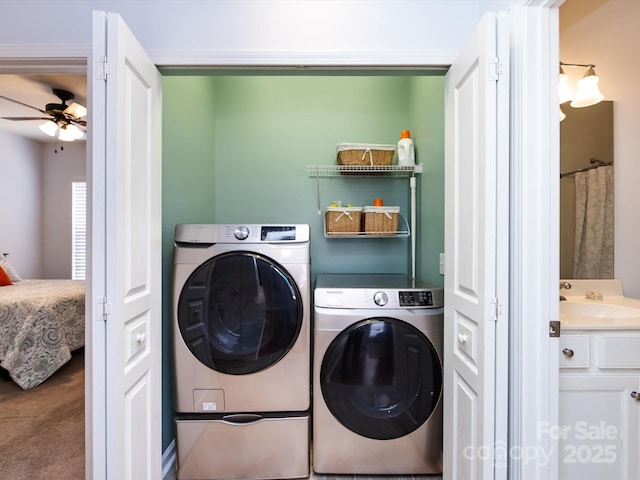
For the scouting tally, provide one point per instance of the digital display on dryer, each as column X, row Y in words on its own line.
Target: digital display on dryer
column 416, row 298
column 274, row 234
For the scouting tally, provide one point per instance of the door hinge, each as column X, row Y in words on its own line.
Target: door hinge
column 497, row 309
column 495, row 69
column 103, row 69
column 554, row 328
column 106, row 308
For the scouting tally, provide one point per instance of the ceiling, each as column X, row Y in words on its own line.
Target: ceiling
column 35, row 90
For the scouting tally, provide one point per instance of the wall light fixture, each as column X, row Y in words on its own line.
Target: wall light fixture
column 587, row 92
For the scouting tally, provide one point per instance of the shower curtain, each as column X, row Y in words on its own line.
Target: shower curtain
column 593, row 254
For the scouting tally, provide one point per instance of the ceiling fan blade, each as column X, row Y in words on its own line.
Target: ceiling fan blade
column 75, row 110
column 23, row 104
column 18, row 119
column 76, row 121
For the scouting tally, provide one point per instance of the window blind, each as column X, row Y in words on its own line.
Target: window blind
column 79, row 226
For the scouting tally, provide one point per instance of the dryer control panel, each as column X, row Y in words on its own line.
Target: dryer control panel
column 375, row 292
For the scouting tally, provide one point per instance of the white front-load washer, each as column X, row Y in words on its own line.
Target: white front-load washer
column 377, row 368
column 241, row 350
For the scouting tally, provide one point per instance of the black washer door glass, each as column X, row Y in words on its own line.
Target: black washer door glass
column 239, row 312
column 381, row 378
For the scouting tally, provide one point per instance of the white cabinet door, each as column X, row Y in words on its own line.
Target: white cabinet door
column 599, row 427
column 126, row 256
column 476, row 229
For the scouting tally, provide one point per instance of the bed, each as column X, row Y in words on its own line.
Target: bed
column 41, row 323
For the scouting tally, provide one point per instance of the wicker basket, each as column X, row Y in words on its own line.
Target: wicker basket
column 343, row 220
column 364, row 154
column 381, row 220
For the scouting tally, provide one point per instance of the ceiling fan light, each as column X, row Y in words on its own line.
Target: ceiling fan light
column 76, row 110
column 69, row 133
column 76, row 131
column 49, row 127
column 65, row 135
column 588, row 92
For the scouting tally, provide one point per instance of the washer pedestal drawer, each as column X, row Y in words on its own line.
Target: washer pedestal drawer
column 269, row 448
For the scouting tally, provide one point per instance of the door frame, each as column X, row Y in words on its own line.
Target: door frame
column 534, row 217
column 48, row 59
column 534, row 245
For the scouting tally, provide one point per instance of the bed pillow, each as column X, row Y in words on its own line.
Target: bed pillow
column 4, row 278
column 9, row 270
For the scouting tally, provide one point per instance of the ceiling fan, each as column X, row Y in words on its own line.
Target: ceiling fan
column 64, row 120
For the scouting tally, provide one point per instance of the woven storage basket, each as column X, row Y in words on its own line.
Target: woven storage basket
column 343, row 220
column 381, row 220
column 364, row 154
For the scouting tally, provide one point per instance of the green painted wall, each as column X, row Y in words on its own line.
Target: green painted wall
column 426, row 117
column 236, row 150
column 188, row 143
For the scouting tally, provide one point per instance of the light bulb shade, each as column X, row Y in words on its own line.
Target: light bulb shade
column 562, row 115
column 49, row 127
column 564, row 92
column 76, row 110
column 66, row 135
column 588, row 92
column 69, row 133
column 76, row 131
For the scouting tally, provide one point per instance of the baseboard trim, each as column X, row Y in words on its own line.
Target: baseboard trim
column 168, row 458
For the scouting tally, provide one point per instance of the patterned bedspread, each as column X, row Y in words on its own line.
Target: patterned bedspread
column 41, row 322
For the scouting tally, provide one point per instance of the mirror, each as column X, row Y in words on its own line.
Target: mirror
column 586, row 191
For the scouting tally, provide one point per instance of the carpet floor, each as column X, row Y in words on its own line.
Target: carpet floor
column 42, row 433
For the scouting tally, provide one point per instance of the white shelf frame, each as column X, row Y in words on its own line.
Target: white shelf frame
column 410, row 171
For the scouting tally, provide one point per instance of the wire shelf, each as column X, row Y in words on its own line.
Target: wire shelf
column 404, row 231
column 363, row 170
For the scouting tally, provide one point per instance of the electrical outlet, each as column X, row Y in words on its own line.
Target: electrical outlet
column 442, row 264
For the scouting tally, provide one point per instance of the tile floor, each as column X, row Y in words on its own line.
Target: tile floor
column 315, row 476
column 171, row 475
column 369, row 477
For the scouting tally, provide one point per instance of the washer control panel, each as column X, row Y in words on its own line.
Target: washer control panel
column 204, row 235
column 416, row 298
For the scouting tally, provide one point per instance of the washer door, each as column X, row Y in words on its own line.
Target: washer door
column 240, row 312
column 381, row 378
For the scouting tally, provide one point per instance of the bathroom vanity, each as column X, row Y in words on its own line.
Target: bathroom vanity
column 599, row 428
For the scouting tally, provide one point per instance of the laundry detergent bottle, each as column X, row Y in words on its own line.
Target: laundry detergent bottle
column 406, row 152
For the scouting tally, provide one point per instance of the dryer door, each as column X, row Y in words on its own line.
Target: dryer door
column 240, row 312
column 381, row 378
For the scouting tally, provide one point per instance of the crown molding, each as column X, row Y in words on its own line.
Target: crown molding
column 405, row 59
column 44, row 58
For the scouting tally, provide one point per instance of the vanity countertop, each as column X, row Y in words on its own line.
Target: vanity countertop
column 604, row 313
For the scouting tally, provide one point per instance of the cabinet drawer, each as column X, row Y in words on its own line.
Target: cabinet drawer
column 574, row 351
column 620, row 352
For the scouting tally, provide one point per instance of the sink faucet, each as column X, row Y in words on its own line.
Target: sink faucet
column 566, row 286
column 591, row 295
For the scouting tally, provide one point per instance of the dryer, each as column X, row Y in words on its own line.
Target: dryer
column 377, row 368
column 241, row 350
